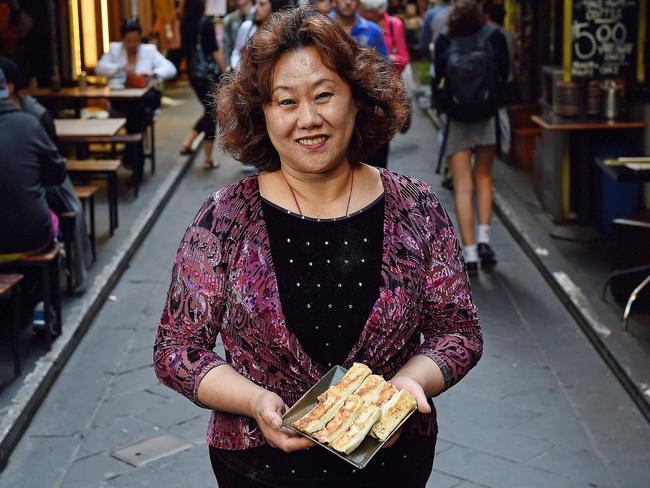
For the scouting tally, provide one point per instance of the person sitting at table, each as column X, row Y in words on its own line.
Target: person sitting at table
column 130, row 63
column 29, row 162
column 60, row 198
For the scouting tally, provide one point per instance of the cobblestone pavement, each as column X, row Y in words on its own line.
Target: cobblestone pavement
column 540, row 410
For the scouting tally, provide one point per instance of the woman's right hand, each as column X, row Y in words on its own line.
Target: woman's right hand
column 268, row 409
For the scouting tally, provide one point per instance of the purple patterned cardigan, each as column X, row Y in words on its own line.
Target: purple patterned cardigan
column 223, row 281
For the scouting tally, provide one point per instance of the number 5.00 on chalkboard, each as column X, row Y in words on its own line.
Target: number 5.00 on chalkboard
column 604, row 35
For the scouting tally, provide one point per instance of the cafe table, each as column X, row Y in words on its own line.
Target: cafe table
column 87, row 130
column 79, row 97
column 92, row 92
column 565, row 171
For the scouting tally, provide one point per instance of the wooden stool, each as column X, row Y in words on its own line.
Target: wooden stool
column 48, row 265
column 10, row 290
column 107, row 168
column 86, row 194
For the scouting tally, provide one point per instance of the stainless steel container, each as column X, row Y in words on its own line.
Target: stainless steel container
column 611, row 99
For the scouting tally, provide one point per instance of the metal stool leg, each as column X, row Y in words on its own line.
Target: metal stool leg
column 91, row 205
column 56, row 299
column 152, row 149
column 15, row 332
column 112, row 204
column 630, row 301
column 47, row 304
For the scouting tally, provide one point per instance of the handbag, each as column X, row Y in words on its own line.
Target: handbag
column 203, row 67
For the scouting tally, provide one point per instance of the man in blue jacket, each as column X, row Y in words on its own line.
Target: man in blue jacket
column 366, row 33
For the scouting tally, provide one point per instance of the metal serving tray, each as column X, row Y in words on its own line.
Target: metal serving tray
column 362, row 455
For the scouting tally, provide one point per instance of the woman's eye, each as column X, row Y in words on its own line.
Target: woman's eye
column 285, row 101
column 324, row 96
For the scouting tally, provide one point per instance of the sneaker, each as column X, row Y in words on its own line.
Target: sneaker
column 487, row 256
column 38, row 317
column 472, row 269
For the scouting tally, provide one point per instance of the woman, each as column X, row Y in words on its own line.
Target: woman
column 198, row 39
column 130, row 62
column 318, row 260
column 465, row 138
column 393, row 28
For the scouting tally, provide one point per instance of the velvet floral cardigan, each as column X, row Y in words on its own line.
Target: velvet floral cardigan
column 223, row 282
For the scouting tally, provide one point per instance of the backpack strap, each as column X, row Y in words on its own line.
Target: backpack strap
column 484, row 34
column 477, row 39
column 198, row 33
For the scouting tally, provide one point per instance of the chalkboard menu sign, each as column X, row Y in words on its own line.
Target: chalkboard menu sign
column 604, row 38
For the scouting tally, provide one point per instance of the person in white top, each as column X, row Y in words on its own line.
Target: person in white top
column 130, row 62
column 131, row 56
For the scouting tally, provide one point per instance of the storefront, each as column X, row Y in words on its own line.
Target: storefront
column 582, row 68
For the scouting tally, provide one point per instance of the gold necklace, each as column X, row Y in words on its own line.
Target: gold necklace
column 293, row 194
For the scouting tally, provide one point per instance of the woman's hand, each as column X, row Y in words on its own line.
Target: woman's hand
column 267, row 410
column 403, row 382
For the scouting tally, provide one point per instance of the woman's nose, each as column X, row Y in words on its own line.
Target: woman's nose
column 308, row 116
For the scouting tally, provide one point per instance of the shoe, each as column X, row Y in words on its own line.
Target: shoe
column 472, row 269
column 487, row 256
column 208, row 164
column 185, row 151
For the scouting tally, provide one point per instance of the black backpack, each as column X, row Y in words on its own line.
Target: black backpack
column 472, row 88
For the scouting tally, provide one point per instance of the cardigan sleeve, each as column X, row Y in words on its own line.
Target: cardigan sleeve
column 452, row 335
column 191, row 319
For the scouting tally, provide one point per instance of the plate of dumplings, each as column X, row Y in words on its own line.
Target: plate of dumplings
column 351, row 413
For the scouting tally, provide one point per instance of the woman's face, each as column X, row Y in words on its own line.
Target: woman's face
column 131, row 42
column 262, row 10
column 310, row 119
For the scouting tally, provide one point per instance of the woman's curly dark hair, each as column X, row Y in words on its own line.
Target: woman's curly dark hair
column 465, row 18
column 377, row 88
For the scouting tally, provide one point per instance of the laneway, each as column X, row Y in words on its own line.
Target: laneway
column 540, row 410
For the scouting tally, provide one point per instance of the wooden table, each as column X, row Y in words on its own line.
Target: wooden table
column 92, row 92
column 86, row 130
column 566, row 173
column 553, row 122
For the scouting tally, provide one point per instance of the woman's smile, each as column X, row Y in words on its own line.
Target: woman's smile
column 313, row 142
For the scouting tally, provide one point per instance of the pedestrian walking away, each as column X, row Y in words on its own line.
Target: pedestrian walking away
column 319, row 260
column 366, row 33
column 472, row 65
column 205, row 63
column 231, row 24
column 394, row 39
column 435, row 22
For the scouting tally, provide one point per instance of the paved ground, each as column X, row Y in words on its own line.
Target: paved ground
column 540, row 410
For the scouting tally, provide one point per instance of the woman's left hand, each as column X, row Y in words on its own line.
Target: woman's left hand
column 403, row 382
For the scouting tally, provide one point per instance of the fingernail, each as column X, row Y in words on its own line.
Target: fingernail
column 277, row 423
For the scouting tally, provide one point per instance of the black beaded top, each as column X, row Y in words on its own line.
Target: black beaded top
column 328, row 273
